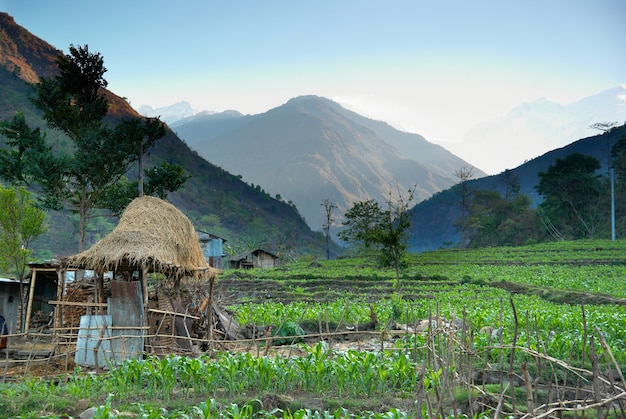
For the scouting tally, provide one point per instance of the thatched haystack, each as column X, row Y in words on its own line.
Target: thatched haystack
column 152, row 235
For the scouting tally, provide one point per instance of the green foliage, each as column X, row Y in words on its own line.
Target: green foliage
column 391, row 234
column 164, row 178
column 26, row 155
column 368, row 224
column 497, row 221
column 161, row 181
column 20, row 223
column 292, row 330
column 451, row 284
column 361, row 222
column 80, row 175
column 575, row 196
column 618, row 154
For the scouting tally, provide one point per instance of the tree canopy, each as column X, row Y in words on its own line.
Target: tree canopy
column 368, row 225
column 361, row 222
column 81, row 174
column 21, row 222
column 575, row 196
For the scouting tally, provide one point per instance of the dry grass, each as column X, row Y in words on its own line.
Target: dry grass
column 151, row 235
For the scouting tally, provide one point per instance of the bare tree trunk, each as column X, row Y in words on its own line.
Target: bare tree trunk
column 82, row 214
column 140, row 174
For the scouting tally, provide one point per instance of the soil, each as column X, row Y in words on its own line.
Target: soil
column 560, row 296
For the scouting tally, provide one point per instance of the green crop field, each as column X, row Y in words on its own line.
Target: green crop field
column 535, row 331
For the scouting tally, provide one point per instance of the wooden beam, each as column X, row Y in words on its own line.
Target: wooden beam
column 189, row 316
column 76, row 303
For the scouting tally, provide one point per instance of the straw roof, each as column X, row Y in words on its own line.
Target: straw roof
column 153, row 235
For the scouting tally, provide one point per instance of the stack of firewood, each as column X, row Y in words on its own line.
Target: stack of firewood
column 80, row 292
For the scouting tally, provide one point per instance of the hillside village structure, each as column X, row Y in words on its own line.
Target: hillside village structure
column 257, row 258
column 118, row 316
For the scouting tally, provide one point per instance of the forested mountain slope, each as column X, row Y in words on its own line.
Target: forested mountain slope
column 215, row 200
column 432, row 221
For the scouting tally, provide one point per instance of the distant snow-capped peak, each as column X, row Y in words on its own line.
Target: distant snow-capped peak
column 170, row 113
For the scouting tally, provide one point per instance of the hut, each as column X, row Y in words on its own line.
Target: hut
column 257, row 258
column 212, row 248
column 152, row 237
column 43, row 287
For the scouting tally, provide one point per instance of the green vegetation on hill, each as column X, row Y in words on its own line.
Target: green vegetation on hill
column 215, row 200
column 497, row 214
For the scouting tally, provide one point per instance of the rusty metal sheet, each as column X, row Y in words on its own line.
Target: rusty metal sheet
column 126, row 310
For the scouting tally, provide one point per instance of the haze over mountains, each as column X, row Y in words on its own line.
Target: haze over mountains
column 532, row 129
column 302, row 152
column 523, row 133
column 270, row 157
column 311, row 149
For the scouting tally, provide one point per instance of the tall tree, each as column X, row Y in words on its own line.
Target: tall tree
column 367, row 224
column 79, row 175
column 575, row 195
column 20, row 223
column 463, row 193
column 360, row 223
column 618, row 158
column 391, row 233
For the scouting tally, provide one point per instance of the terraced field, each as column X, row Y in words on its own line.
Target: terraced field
column 536, row 331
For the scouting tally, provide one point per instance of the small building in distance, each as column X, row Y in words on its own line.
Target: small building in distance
column 212, row 248
column 257, row 258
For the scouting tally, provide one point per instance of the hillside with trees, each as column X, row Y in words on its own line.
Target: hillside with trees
column 564, row 194
column 215, row 200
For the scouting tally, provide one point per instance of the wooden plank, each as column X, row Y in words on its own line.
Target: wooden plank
column 173, row 313
column 233, row 331
column 76, row 303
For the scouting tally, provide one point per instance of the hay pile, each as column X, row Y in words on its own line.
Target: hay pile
column 153, row 235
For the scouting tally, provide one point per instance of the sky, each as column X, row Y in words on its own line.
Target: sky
column 434, row 67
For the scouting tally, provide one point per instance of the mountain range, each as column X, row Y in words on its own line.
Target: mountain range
column 171, row 113
column 525, row 132
column 539, row 125
column 257, row 178
column 311, row 149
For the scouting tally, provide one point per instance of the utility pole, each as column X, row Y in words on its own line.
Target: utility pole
column 606, row 127
column 612, row 204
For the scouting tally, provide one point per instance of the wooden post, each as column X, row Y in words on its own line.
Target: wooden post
column 100, row 291
column 31, row 294
column 58, row 310
column 143, row 277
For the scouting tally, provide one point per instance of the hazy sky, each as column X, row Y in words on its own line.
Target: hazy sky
column 432, row 67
